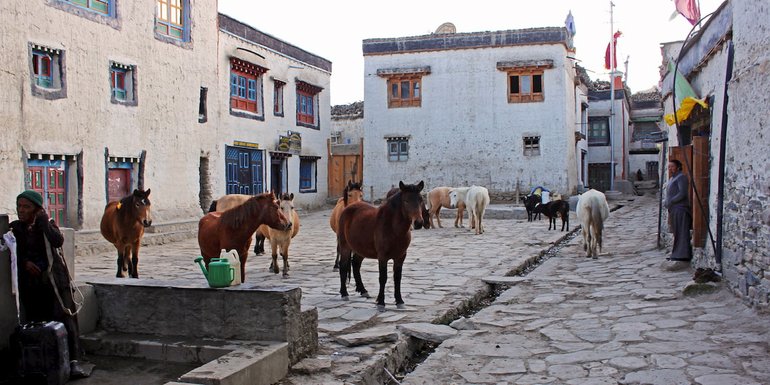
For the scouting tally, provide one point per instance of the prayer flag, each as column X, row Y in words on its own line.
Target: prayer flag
column 688, row 9
column 614, row 42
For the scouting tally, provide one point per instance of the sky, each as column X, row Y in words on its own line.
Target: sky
column 335, row 29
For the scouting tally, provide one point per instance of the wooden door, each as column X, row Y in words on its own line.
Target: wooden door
column 343, row 168
column 51, row 182
column 118, row 184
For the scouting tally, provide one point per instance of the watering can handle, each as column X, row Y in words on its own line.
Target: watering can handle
column 232, row 274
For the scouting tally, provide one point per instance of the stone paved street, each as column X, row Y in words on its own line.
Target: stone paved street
column 618, row 319
column 572, row 320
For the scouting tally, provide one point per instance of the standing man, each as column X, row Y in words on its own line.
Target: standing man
column 36, row 291
column 678, row 204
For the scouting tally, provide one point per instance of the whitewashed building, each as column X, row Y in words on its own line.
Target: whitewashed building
column 99, row 98
column 726, row 63
column 608, row 136
column 497, row 109
column 275, row 103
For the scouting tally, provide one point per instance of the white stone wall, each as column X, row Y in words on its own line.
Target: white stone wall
column 466, row 132
column 164, row 123
column 747, row 197
column 266, row 131
column 351, row 129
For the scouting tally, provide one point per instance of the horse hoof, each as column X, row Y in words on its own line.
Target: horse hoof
column 366, row 294
column 401, row 306
column 345, row 298
column 336, row 268
column 380, row 308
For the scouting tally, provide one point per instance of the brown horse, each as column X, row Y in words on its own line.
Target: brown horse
column 281, row 239
column 425, row 213
column 232, row 229
column 229, row 201
column 382, row 233
column 123, row 224
column 351, row 194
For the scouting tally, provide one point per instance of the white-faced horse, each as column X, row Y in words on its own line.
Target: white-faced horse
column 438, row 197
column 592, row 211
column 281, row 239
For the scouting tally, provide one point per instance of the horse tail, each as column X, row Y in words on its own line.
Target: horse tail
column 213, row 206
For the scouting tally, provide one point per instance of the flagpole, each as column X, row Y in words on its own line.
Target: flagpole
column 612, row 101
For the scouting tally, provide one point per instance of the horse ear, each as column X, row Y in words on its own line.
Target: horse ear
column 136, row 192
column 400, row 185
column 147, row 193
column 291, row 196
column 420, row 186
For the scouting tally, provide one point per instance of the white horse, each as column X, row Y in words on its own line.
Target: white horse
column 592, row 211
column 281, row 239
column 476, row 200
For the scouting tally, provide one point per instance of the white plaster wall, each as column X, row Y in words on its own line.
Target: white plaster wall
column 601, row 154
column 266, row 132
column 466, row 132
column 352, row 129
column 165, row 121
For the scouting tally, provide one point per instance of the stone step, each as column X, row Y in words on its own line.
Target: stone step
column 222, row 362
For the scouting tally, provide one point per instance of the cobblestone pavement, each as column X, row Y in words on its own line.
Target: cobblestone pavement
column 573, row 320
column 442, row 272
column 618, row 319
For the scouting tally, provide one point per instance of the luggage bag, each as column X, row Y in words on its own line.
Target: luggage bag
column 42, row 352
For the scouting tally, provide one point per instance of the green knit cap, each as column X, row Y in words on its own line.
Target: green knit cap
column 32, row 196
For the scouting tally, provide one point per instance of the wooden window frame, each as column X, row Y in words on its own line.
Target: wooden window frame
column 41, row 68
column 517, row 94
column 531, row 145
column 278, row 87
column 171, row 19
column 103, row 7
column 602, row 140
column 307, row 110
column 398, row 97
column 398, row 149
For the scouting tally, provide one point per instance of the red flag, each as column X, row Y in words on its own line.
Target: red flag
column 688, row 9
column 615, row 52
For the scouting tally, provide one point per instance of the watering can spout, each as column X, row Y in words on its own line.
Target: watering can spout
column 199, row 260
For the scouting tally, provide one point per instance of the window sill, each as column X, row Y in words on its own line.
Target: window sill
column 314, row 190
column 246, row 114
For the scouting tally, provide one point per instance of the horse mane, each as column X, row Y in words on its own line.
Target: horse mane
column 238, row 216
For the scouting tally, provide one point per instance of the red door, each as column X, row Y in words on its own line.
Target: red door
column 50, row 182
column 118, row 184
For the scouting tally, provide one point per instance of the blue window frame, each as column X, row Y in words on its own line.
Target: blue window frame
column 118, row 82
column 307, row 174
column 172, row 19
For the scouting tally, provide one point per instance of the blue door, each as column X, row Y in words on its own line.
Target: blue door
column 244, row 170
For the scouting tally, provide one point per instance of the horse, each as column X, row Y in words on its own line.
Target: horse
column 123, row 224
column 438, row 197
column 232, row 200
column 281, row 238
column 351, row 194
column 476, row 201
column 592, row 211
column 425, row 213
column 382, row 233
column 232, row 228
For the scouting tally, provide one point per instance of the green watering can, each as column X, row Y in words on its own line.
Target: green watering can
column 219, row 274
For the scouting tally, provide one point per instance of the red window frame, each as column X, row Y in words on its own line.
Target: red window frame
column 305, row 114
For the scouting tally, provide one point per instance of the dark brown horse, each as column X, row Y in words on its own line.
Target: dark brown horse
column 425, row 224
column 382, row 233
column 232, row 228
column 351, row 194
column 123, row 224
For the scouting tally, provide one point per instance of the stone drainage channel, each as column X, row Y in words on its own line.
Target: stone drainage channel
column 419, row 350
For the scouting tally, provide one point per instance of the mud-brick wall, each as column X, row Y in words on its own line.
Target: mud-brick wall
column 746, row 252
